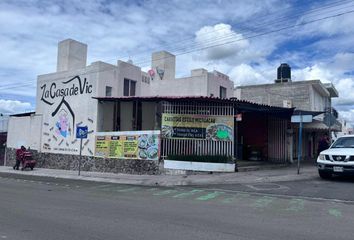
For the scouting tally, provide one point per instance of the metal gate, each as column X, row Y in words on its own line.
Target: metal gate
column 197, row 146
column 277, row 140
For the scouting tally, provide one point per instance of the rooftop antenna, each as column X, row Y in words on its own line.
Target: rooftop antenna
column 130, row 61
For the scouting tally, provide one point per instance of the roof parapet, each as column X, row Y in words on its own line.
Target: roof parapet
column 331, row 89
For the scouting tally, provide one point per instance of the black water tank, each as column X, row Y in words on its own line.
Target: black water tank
column 284, row 72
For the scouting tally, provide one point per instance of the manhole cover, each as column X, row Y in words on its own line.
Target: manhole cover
column 267, row 186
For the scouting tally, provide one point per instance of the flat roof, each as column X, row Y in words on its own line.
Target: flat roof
column 326, row 89
column 314, row 81
column 331, row 89
column 26, row 114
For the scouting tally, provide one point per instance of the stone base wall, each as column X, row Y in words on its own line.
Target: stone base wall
column 71, row 162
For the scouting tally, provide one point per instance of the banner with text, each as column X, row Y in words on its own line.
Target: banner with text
column 131, row 145
column 216, row 128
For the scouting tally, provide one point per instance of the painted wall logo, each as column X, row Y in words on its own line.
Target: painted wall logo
column 66, row 114
column 49, row 93
column 71, row 88
column 62, row 125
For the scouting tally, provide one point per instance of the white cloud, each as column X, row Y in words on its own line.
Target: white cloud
column 348, row 116
column 345, row 88
column 314, row 72
column 220, row 34
column 222, row 43
column 244, row 74
column 10, row 106
column 341, row 24
column 342, row 62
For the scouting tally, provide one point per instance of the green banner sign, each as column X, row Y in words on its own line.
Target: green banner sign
column 185, row 126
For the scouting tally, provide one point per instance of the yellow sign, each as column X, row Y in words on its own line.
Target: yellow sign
column 115, row 147
column 132, row 145
column 102, row 146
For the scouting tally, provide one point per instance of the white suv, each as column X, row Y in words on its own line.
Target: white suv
column 338, row 159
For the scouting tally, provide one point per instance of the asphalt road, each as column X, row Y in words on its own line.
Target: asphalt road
column 47, row 208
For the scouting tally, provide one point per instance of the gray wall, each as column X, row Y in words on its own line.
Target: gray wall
column 71, row 162
column 310, row 95
column 274, row 94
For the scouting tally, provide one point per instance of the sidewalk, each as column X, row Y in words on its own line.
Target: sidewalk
column 271, row 175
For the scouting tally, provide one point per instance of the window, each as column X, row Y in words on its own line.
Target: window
column 108, row 91
column 129, row 87
column 222, row 93
column 145, row 79
column 126, row 87
column 132, row 88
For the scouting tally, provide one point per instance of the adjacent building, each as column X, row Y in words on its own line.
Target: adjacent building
column 3, row 135
column 307, row 97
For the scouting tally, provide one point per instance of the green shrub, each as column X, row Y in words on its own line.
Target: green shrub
column 202, row 158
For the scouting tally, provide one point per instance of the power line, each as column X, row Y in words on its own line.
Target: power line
column 214, row 45
column 259, row 19
column 287, row 18
column 226, row 37
column 258, row 35
column 219, row 40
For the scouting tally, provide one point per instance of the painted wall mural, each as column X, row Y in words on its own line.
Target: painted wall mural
column 65, row 105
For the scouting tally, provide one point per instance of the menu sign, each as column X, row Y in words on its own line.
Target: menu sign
column 132, row 145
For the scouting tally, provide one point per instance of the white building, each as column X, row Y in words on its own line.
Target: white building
column 347, row 129
column 200, row 83
column 3, row 123
column 65, row 98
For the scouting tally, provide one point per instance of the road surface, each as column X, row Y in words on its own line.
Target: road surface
column 47, row 208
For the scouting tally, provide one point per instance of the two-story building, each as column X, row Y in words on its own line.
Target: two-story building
column 136, row 118
column 309, row 97
column 67, row 99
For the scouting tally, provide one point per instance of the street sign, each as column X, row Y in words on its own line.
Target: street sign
column 301, row 118
column 81, row 132
column 329, row 120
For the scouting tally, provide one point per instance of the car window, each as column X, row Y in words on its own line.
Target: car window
column 347, row 142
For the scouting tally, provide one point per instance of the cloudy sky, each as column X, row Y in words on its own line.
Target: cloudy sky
column 246, row 39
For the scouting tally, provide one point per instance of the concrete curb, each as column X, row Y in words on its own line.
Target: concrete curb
column 269, row 175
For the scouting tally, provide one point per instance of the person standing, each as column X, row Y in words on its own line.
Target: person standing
column 323, row 144
column 19, row 157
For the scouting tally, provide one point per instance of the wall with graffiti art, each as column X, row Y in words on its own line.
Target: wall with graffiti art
column 66, row 103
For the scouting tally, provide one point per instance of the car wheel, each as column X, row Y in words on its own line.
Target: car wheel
column 31, row 168
column 325, row 175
